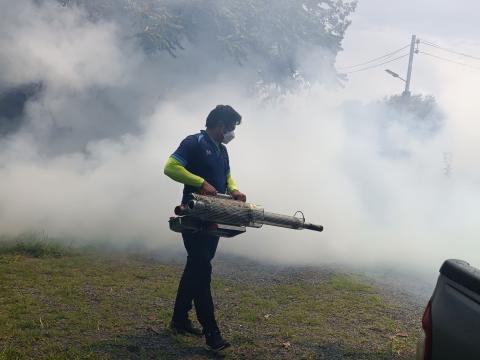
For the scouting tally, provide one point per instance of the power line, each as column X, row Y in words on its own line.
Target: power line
column 386, row 59
column 375, row 59
column 428, row 43
column 377, row 65
column 449, row 60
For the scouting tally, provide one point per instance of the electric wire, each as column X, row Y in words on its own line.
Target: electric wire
column 375, row 59
column 428, row 43
column 390, row 54
column 376, row 65
column 449, row 60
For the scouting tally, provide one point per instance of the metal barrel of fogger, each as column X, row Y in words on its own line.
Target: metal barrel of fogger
column 225, row 212
column 290, row 222
column 243, row 214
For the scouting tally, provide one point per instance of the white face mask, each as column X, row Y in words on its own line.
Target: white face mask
column 228, row 136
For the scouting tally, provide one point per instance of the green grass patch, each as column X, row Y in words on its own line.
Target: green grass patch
column 87, row 306
column 34, row 245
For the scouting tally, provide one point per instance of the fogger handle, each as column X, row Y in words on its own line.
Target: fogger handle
column 224, row 196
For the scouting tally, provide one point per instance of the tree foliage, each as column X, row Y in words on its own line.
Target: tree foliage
column 420, row 114
column 266, row 35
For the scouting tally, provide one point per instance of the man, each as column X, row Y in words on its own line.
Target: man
column 201, row 163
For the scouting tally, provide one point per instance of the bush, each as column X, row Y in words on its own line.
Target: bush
column 34, row 245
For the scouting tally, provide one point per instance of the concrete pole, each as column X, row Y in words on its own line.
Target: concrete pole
column 410, row 63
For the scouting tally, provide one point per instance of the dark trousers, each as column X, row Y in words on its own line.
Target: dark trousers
column 195, row 282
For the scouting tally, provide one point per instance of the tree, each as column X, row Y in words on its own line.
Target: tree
column 419, row 114
column 264, row 35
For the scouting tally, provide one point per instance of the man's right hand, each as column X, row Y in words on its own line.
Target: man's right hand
column 207, row 189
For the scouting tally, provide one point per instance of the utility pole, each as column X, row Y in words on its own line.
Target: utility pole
column 410, row 63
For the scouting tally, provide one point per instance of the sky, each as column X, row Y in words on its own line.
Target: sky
column 435, row 17
column 382, row 26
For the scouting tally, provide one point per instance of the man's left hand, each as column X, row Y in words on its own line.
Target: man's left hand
column 237, row 195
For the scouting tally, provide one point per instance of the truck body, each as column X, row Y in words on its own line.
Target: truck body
column 451, row 321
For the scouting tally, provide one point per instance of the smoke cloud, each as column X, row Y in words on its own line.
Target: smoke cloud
column 87, row 163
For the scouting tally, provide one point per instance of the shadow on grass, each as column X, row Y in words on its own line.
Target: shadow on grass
column 154, row 344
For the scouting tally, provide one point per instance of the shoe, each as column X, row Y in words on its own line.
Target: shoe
column 215, row 342
column 184, row 328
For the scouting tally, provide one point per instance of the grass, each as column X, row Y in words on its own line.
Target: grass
column 33, row 244
column 58, row 304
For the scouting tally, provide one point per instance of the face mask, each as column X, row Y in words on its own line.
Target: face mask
column 228, row 136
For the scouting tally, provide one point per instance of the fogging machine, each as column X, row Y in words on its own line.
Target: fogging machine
column 221, row 215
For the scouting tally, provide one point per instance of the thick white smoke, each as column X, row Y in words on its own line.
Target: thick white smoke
column 301, row 153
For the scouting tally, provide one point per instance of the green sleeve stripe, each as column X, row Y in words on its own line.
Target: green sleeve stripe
column 231, row 185
column 176, row 171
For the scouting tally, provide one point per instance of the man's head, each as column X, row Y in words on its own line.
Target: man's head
column 222, row 121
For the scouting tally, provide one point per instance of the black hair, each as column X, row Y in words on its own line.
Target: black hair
column 225, row 114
